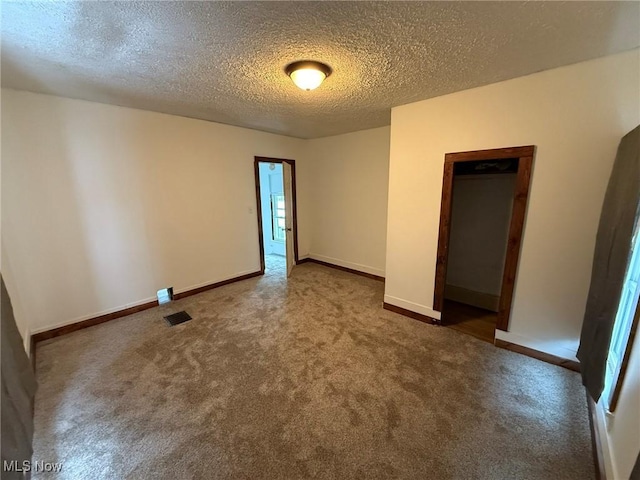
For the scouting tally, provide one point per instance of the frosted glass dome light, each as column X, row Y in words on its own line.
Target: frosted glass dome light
column 308, row 74
column 307, row 78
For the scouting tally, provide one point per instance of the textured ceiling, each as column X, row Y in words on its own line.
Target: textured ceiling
column 224, row 61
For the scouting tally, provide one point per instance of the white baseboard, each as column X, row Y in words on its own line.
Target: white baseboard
column 343, row 263
column 550, row 347
column 132, row 304
column 601, row 431
column 414, row 307
column 472, row 297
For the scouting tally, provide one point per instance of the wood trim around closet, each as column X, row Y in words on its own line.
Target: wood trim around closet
column 524, row 155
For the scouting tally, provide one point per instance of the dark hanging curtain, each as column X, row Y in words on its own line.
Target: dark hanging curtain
column 635, row 473
column 18, row 391
column 612, row 254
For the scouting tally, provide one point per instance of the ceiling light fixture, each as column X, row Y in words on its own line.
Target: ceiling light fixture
column 308, row 74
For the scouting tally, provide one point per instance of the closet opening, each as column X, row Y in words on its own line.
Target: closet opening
column 483, row 207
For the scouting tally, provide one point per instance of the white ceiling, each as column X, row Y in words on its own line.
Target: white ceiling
column 223, row 61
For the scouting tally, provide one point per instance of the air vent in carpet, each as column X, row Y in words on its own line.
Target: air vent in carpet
column 177, row 318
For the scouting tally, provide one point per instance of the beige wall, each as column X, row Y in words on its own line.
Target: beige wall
column 576, row 116
column 104, row 205
column 348, row 197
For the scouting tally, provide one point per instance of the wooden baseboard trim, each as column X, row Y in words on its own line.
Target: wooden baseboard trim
column 211, row 286
column 596, row 441
column 409, row 313
column 344, row 269
column 72, row 327
column 545, row 357
column 56, row 332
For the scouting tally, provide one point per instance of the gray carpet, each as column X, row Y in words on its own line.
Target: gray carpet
column 308, row 378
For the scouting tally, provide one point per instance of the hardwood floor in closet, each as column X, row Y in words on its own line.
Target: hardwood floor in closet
column 470, row 320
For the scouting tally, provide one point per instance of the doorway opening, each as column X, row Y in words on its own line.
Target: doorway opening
column 277, row 214
column 484, row 198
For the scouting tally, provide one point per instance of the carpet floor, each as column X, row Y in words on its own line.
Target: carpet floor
column 305, row 378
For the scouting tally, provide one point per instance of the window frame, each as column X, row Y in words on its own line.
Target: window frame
column 617, row 368
column 274, row 217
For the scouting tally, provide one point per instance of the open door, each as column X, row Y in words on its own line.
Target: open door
column 288, row 205
column 290, row 213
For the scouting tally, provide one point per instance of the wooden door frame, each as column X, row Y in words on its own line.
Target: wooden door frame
column 256, row 169
column 525, row 156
